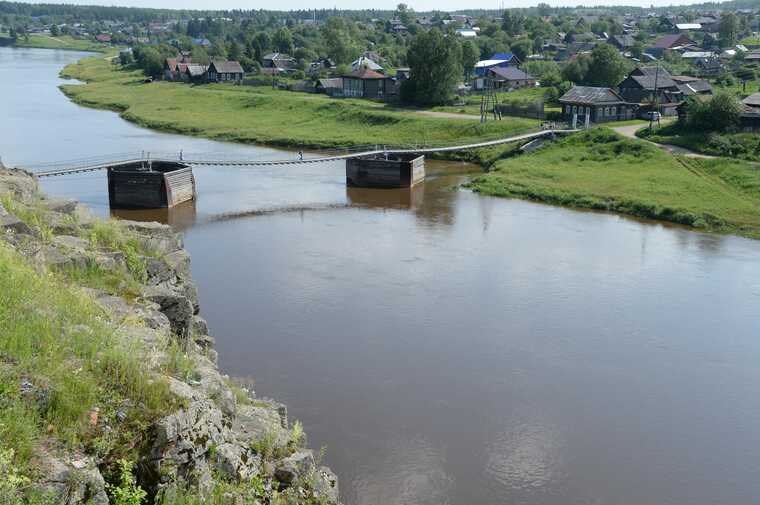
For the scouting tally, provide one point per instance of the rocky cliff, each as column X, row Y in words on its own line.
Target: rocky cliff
column 215, row 439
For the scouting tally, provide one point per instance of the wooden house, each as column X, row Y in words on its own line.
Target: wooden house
column 510, row 78
column 278, row 63
column 366, row 83
column 195, row 73
column 598, row 104
column 749, row 118
column 643, row 83
column 497, row 60
column 225, row 71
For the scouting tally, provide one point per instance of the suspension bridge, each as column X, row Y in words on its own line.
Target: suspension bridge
column 54, row 169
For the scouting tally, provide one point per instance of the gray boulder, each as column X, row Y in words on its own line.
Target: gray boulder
column 299, row 464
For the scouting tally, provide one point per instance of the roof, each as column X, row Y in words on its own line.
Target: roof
column 467, row 33
column 171, row 63
column 649, row 81
column 624, row 40
column 334, row 82
column 227, row 67
column 196, row 70
column 366, row 73
column 695, row 88
column 512, row 73
column 590, row 95
column 503, row 56
column 672, row 40
column 365, row 62
column 688, row 26
column 752, row 100
column 697, row 54
column 278, row 56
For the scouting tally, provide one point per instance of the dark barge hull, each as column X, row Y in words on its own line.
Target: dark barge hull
column 395, row 171
column 150, row 185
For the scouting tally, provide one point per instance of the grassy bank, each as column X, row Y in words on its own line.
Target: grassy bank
column 599, row 169
column 267, row 116
column 745, row 146
column 64, row 358
column 61, row 42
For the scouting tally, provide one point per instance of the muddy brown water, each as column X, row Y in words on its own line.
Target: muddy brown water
column 449, row 348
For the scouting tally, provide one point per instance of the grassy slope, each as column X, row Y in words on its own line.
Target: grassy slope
column 738, row 145
column 599, row 169
column 67, row 350
column 264, row 115
column 61, row 42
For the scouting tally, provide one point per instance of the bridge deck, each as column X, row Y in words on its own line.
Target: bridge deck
column 92, row 167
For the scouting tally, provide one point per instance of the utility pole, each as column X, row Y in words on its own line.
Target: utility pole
column 654, row 98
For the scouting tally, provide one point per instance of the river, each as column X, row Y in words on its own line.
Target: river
column 449, row 348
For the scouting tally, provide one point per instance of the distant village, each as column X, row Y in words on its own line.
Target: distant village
column 668, row 57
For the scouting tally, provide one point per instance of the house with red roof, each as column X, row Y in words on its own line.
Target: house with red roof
column 366, row 83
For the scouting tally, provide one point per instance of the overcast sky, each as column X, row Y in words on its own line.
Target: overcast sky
column 420, row 5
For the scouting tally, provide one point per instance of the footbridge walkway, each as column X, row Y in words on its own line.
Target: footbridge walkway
column 100, row 163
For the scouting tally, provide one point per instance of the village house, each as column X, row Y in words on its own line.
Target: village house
column 622, row 42
column 365, row 62
column 321, row 64
column 278, row 63
column 598, row 104
column 366, row 83
column 195, row 73
column 505, row 78
column 644, row 83
column 670, row 42
column 225, row 71
column 749, row 118
column 497, row 60
column 103, row 38
column 690, row 86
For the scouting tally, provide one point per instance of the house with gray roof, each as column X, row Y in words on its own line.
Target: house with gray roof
column 598, row 104
column 225, row 71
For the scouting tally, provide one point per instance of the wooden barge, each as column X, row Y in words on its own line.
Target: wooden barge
column 150, row 185
column 385, row 171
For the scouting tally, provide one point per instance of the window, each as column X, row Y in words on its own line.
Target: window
column 614, row 111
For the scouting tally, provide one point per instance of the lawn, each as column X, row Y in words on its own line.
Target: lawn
column 268, row 116
column 600, row 169
column 61, row 42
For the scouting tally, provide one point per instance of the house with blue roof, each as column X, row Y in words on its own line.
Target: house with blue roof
column 502, row 60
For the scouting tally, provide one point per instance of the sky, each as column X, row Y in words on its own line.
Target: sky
column 419, row 5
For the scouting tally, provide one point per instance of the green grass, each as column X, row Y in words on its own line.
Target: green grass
column 267, row 116
column 753, row 40
column 745, row 146
column 519, row 96
column 599, row 169
column 61, row 356
column 61, row 42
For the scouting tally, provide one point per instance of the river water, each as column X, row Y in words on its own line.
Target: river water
column 448, row 348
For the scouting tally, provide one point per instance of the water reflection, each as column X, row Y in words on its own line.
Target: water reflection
column 382, row 198
column 180, row 217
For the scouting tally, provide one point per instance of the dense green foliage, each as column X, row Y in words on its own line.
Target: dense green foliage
column 717, row 114
column 601, row 170
column 435, row 63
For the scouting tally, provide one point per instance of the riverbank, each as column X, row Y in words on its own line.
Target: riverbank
column 64, row 42
column 108, row 373
column 263, row 115
column 601, row 170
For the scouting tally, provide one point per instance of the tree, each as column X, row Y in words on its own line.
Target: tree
column 340, row 44
column 637, row 50
column 151, row 61
column 234, row 51
column 404, row 14
column 283, row 40
column 200, row 56
column 470, row 56
column 717, row 114
column 435, row 65
column 521, row 48
column 512, row 23
column 606, row 66
column 728, row 29
column 54, row 31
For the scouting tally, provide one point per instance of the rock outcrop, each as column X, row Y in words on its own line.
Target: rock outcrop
column 222, row 431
